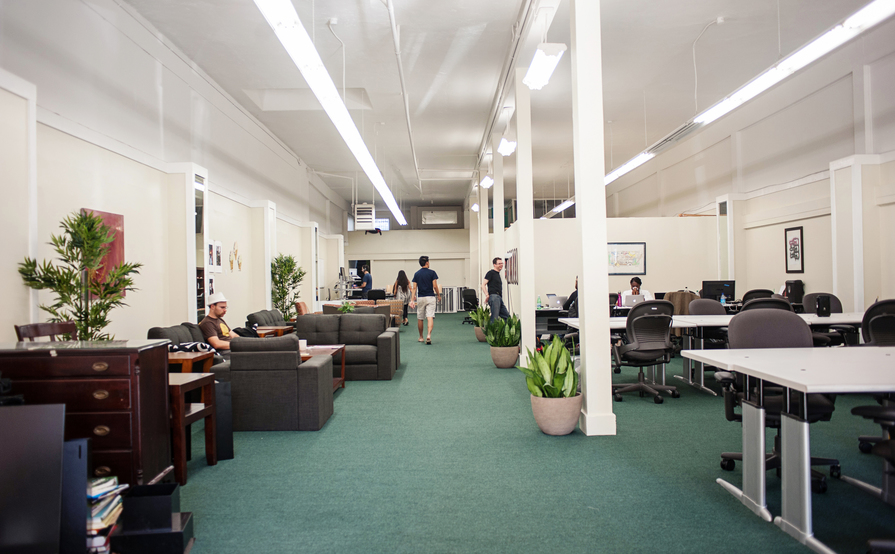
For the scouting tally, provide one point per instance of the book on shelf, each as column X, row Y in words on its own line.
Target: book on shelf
column 104, row 495
column 101, row 538
column 101, row 522
column 100, row 485
column 102, row 509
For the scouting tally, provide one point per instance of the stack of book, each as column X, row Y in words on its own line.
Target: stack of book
column 104, row 503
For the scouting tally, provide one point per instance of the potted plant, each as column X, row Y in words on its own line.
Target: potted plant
column 553, row 383
column 285, row 276
column 480, row 316
column 346, row 308
column 504, row 337
column 86, row 290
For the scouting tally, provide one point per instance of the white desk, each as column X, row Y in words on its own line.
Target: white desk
column 620, row 323
column 808, row 371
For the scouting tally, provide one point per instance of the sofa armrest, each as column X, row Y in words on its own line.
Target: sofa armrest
column 385, row 355
column 315, row 392
column 221, row 372
column 397, row 332
column 249, row 361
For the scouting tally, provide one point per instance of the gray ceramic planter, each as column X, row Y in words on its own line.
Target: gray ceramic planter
column 505, row 356
column 480, row 334
column 556, row 416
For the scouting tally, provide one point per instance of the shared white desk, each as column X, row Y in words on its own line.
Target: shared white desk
column 807, row 371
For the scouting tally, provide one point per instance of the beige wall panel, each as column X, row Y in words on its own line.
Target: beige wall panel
column 800, row 139
column 290, row 242
column 842, row 212
column 14, row 177
column 882, row 104
column 444, row 247
column 231, row 223
column 697, row 180
column 887, row 231
column 640, row 199
column 73, row 174
column 179, row 239
column 792, row 200
column 766, row 255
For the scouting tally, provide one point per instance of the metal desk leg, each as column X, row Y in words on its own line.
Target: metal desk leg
column 753, row 493
column 796, row 483
column 691, row 371
column 687, row 377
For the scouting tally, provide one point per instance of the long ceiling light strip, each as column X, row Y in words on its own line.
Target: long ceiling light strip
column 564, row 206
column 867, row 17
column 543, row 64
column 283, row 19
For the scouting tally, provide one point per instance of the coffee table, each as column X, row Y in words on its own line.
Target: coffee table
column 327, row 350
column 186, row 360
column 278, row 330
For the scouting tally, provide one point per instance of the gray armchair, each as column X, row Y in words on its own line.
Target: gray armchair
column 371, row 347
column 273, row 390
column 266, row 318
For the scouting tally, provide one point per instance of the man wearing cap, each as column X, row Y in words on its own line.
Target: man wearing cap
column 214, row 328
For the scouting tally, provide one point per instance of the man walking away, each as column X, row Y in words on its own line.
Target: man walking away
column 492, row 286
column 425, row 289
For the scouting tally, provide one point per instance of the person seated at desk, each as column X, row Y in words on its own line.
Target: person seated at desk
column 636, row 289
column 572, row 297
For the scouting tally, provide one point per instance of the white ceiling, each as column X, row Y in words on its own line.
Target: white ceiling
column 453, row 53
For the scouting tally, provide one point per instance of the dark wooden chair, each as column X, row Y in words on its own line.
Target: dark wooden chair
column 36, row 330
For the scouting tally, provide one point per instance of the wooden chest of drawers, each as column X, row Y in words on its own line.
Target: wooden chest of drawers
column 115, row 393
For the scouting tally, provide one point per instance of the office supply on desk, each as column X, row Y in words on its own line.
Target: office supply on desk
column 630, row 300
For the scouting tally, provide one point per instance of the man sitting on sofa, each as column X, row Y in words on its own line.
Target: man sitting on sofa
column 214, row 328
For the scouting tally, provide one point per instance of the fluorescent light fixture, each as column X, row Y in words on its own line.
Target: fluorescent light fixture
column 565, row 205
column 199, row 186
column 860, row 21
column 506, row 147
column 543, row 64
column 474, row 207
column 281, row 16
column 634, row 162
column 487, row 182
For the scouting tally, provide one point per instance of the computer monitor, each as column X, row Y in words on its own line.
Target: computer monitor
column 714, row 289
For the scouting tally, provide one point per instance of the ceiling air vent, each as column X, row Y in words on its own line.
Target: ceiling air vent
column 673, row 137
column 364, row 217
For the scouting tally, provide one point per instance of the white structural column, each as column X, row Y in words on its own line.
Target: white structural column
column 525, row 219
column 499, row 248
column 590, row 194
column 484, row 248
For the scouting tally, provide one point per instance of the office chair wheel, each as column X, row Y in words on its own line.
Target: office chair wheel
column 675, row 394
column 865, row 447
column 619, row 370
column 836, row 471
column 819, row 486
column 618, row 398
column 658, row 399
column 728, row 465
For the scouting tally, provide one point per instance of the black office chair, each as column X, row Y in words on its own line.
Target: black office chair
column 376, row 294
column 878, row 329
column 763, row 303
column 757, row 293
column 773, row 329
column 470, row 303
column 838, row 334
column 886, row 451
column 648, row 331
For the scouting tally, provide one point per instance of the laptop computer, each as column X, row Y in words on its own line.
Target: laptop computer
column 631, row 299
column 554, row 301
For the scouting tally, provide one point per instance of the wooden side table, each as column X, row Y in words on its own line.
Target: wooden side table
column 327, row 350
column 278, row 330
column 183, row 414
column 186, row 360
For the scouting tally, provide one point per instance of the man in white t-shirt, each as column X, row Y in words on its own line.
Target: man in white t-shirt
column 637, row 289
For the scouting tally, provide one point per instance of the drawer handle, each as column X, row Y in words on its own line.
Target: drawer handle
column 102, row 471
column 100, row 366
column 100, row 394
column 101, row 430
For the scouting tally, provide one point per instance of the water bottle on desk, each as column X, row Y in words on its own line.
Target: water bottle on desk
column 723, row 299
column 539, row 302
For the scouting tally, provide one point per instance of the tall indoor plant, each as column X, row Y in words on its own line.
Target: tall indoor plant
column 285, row 276
column 480, row 317
column 553, row 384
column 86, row 291
column 504, row 337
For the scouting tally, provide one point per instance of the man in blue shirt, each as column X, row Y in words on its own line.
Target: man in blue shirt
column 368, row 281
column 425, row 291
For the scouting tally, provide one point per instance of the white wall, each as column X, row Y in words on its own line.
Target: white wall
column 448, row 251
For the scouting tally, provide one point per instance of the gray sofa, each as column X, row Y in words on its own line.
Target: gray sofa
column 372, row 350
column 273, row 390
column 266, row 318
column 188, row 332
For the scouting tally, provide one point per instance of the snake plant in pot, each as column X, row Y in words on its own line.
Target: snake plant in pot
column 504, row 337
column 553, row 383
column 481, row 316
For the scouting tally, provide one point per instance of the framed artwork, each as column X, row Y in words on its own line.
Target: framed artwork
column 795, row 250
column 627, row 258
column 115, row 256
column 209, row 255
column 512, row 267
column 210, row 285
column 218, row 257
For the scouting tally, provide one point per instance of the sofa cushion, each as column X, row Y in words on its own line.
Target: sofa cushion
column 364, row 310
column 318, row 329
column 361, row 328
column 176, row 334
column 273, row 344
column 194, row 330
column 360, row 354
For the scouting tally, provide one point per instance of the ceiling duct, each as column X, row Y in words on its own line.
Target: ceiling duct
column 364, row 217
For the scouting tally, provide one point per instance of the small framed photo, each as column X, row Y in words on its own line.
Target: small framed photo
column 210, row 285
column 209, row 255
column 795, row 250
column 218, row 257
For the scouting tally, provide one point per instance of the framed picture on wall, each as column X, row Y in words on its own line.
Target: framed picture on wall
column 209, row 255
column 218, row 257
column 627, row 258
column 795, row 250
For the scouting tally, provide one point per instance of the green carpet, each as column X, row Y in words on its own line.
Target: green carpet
column 447, row 458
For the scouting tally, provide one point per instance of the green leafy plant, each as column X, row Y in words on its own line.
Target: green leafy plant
column 504, row 333
column 285, row 276
column 481, row 316
column 551, row 373
column 346, row 308
column 85, row 290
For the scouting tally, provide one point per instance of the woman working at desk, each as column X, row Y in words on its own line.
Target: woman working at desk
column 637, row 289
